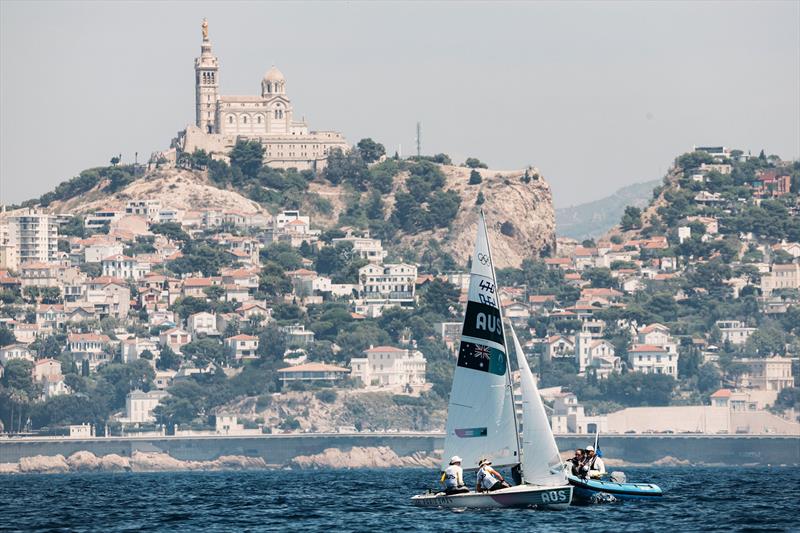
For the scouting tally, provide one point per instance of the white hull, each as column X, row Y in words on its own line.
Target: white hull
column 519, row 496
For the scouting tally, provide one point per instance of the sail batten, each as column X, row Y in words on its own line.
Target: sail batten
column 480, row 415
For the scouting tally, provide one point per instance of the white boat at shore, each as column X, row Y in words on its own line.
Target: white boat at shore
column 481, row 419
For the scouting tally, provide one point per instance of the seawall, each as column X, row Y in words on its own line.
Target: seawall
column 281, row 449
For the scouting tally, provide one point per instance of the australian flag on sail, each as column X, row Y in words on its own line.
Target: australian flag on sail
column 482, row 357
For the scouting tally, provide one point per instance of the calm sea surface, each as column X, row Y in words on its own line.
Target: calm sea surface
column 696, row 499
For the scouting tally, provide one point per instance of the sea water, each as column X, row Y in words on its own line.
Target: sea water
column 696, row 499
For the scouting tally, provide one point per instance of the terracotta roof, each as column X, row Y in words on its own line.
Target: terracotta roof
column 722, row 393
column 314, row 367
column 108, row 280
column 242, row 337
column 197, row 282
column 541, row 298
column 77, row 337
column 653, row 327
column 646, row 348
column 383, row 349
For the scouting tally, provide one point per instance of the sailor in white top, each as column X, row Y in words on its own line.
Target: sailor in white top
column 453, row 477
column 488, row 478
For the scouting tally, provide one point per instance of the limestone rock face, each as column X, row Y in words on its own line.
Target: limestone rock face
column 114, row 463
column 237, row 462
column 83, row 461
column 175, row 188
column 9, row 468
column 156, row 462
column 519, row 215
column 363, row 457
column 43, row 464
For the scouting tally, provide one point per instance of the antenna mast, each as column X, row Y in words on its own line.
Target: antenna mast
column 419, row 139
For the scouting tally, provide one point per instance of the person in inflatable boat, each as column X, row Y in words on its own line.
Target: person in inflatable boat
column 593, row 467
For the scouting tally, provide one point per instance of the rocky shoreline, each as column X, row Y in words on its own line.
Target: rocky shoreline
column 85, row 461
column 330, row 458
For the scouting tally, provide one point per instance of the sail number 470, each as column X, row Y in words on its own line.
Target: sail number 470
column 554, row 496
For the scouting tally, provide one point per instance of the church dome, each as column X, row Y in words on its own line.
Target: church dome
column 273, row 75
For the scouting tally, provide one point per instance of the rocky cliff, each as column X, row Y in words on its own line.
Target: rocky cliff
column 518, row 207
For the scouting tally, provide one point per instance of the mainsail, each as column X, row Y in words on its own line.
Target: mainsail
column 480, row 415
column 541, row 461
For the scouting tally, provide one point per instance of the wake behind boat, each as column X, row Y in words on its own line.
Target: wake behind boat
column 481, row 419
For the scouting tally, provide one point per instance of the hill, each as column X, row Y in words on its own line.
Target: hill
column 593, row 219
column 410, row 205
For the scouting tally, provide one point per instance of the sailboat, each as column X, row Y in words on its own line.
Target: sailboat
column 481, row 418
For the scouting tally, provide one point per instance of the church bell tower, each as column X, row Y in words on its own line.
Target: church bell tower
column 206, row 70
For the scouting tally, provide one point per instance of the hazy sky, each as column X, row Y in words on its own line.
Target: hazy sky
column 597, row 95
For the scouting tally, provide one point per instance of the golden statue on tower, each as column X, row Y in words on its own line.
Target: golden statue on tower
column 204, row 26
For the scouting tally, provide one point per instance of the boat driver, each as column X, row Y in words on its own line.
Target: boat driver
column 489, row 479
column 453, row 477
column 577, row 462
column 594, row 466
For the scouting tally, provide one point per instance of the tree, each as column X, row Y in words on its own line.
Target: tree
column 168, row 359
column 370, row 150
column 709, row 378
column 115, row 160
column 600, row 277
column 199, row 159
column 248, row 157
column 6, row 337
column 474, row 162
column 475, row 177
column 480, row 199
column 632, row 218
column 172, row 230
column 440, row 296
column 507, row 228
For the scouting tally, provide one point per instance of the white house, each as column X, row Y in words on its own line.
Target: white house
column 389, row 366
column 124, row 267
column 389, row 283
column 734, row 331
column 175, row 338
column 242, row 346
column 657, row 335
column 312, row 372
column 569, row 417
column 15, row 351
column 649, row 359
column 202, row 322
column 139, row 405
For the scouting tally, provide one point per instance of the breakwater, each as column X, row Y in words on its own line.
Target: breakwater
column 281, row 449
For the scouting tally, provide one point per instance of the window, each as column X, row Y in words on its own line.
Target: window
column 230, row 119
column 244, row 119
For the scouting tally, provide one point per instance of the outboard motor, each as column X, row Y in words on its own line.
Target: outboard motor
column 618, row 477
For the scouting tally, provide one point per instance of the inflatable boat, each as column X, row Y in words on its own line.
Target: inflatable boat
column 587, row 489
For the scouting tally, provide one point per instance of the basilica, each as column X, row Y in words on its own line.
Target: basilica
column 269, row 118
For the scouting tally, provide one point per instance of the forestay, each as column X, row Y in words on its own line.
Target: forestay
column 480, row 415
column 541, row 460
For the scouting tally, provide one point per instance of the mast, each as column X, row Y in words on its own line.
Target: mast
column 509, row 383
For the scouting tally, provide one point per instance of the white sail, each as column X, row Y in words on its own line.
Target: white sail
column 480, row 415
column 541, row 460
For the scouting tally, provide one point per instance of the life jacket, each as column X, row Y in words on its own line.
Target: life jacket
column 486, row 477
column 451, row 476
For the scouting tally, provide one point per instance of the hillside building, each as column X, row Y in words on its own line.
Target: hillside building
column 387, row 366
column 268, row 118
column 27, row 236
